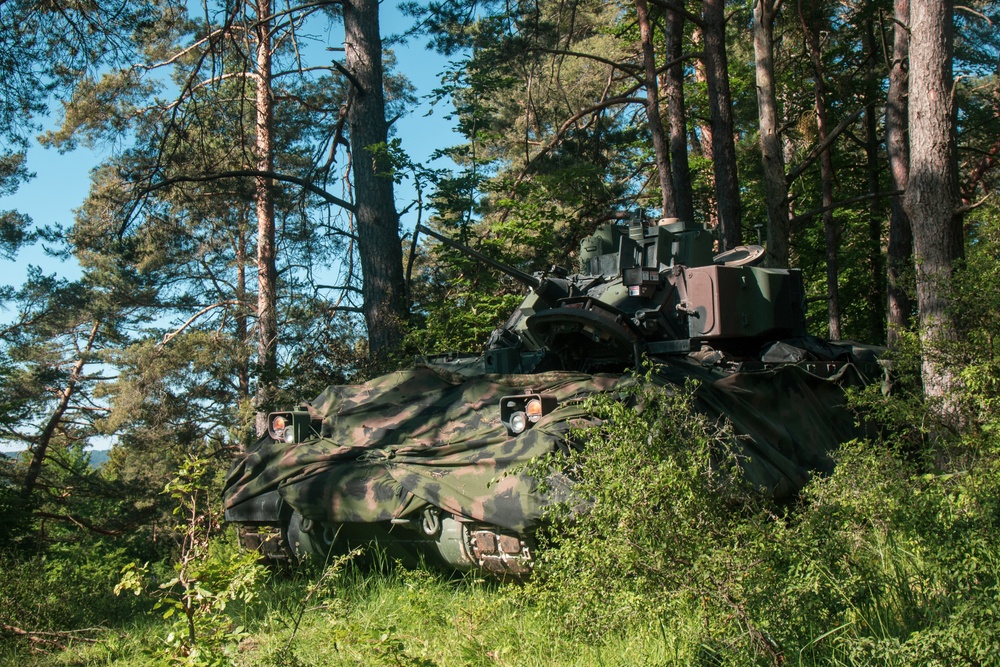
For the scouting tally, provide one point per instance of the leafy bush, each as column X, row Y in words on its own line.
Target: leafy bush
column 891, row 560
column 207, row 575
column 667, row 519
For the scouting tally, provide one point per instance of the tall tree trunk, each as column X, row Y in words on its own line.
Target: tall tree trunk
column 775, row 182
column 674, row 85
column 241, row 320
column 876, row 287
column 41, row 445
column 932, row 195
column 826, row 175
column 660, row 151
column 381, row 254
column 267, row 274
column 721, row 108
column 900, row 251
column 701, row 136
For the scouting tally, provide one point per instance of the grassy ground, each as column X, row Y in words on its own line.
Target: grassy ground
column 399, row 617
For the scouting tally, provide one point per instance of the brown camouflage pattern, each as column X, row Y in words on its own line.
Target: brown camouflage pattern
column 418, row 437
column 424, row 436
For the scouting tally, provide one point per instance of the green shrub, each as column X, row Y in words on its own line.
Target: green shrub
column 208, row 574
column 666, row 521
column 891, row 560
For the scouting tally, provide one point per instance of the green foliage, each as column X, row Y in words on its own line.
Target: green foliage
column 67, row 587
column 666, row 518
column 208, row 575
column 458, row 300
column 892, row 560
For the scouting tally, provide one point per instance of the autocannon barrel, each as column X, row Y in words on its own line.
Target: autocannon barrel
column 517, row 274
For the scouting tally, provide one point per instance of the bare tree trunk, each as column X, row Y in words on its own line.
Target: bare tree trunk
column 381, row 254
column 932, row 194
column 775, row 182
column 241, row 320
column 900, row 251
column 701, row 136
column 826, row 176
column 41, row 445
column 667, row 197
column 721, row 106
column 267, row 275
column 677, row 113
column 876, row 287
column 242, row 325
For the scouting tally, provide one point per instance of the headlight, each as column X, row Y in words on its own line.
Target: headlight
column 278, row 427
column 519, row 413
column 293, row 427
column 518, row 422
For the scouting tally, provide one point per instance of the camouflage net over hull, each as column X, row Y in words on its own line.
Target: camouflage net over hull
column 428, row 437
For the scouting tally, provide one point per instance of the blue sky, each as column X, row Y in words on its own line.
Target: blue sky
column 62, row 181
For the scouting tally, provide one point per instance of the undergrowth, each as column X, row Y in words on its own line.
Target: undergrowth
column 664, row 557
column 891, row 560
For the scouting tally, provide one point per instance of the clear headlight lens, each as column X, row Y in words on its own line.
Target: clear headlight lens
column 518, row 422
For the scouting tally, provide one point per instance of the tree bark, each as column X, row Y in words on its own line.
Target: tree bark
column 900, row 250
column 660, row 150
column 267, row 274
column 932, row 195
column 41, row 445
column 700, row 137
column 876, row 287
column 677, row 114
column 241, row 256
column 830, row 230
column 381, row 254
column 721, row 111
column 772, row 154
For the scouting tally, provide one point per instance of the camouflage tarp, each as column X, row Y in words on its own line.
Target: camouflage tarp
column 415, row 437
column 788, row 421
column 425, row 436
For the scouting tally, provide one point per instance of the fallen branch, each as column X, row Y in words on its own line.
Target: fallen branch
column 80, row 523
column 47, row 639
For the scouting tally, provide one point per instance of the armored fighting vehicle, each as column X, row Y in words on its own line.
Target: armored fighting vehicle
column 431, row 459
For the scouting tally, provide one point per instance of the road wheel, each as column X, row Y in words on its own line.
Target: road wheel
column 310, row 539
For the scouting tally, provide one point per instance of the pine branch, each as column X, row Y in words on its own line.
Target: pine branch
column 250, row 173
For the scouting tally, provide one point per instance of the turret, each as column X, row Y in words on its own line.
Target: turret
column 643, row 289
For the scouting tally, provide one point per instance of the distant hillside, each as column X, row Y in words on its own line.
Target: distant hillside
column 98, row 457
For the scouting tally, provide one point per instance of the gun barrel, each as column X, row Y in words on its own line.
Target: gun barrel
column 517, row 274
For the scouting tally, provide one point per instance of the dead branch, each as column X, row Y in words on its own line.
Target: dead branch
column 79, row 523
column 802, row 218
column 631, row 70
column 168, row 337
column 818, row 149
